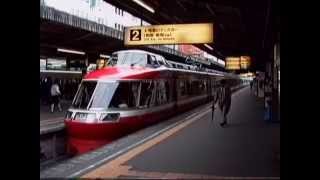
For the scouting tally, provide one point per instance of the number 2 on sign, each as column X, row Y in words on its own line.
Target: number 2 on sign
column 135, row 34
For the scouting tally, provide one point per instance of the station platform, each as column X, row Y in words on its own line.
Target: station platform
column 190, row 146
column 51, row 122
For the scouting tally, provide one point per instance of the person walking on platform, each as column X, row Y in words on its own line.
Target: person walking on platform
column 46, row 88
column 55, row 93
column 216, row 98
column 225, row 100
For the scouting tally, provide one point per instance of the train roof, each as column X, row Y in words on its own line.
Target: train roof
column 138, row 72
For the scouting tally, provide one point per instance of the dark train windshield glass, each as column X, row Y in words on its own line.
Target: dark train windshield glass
column 122, row 94
column 84, row 94
column 103, row 94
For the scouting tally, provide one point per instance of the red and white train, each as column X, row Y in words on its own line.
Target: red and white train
column 137, row 89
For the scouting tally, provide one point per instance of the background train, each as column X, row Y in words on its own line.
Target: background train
column 136, row 90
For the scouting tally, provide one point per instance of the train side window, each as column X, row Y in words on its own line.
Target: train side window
column 195, row 87
column 146, row 93
column 154, row 99
column 168, row 85
column 202, row 86
column 160, row 60
column 189, row 87
column 134, row 98
column 162, row 89
column 152, row 60
column 119, row 98
column 126, row 95
column 149, row 61
column 182, row 87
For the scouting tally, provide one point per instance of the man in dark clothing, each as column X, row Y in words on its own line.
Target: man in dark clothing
column 225, row 100
column 214, row 102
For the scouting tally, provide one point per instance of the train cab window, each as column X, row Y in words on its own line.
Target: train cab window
column 128, row 58
column 138, row 59
column 84, row 94
column 113, row 60
column 152, row 60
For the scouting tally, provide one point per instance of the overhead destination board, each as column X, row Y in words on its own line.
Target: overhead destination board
column 236, row 63
column 169, row 34
column 245, row 62
column 233, row 63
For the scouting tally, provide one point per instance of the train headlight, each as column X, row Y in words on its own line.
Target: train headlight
column 85, row 117
column 110, row 117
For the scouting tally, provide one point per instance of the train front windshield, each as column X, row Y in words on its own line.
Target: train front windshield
column 94, row 95
column 121, row 94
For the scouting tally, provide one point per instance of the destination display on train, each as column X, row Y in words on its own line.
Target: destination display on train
column 169, row 34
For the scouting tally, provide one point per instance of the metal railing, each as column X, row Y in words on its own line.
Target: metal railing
column 55, row 15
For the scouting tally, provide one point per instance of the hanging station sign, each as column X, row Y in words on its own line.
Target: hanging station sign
column 236, row 63
column 245, row 62
column 169, row 34
column 232, row 63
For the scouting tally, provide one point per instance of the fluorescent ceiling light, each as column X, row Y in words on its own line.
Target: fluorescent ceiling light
column 144, row 5
column 221, row 62
column 209, row 47
column 104, row 56
column 71, row 51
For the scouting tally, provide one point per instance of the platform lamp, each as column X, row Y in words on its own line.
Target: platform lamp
column 144, row 5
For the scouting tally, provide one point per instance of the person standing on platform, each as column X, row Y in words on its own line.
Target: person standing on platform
column 55, row 96
column 225, row 100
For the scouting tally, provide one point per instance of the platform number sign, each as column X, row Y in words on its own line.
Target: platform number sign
column 197, row 33
column 135, row 35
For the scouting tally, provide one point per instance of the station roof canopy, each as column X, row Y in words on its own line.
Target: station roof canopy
column 242, row 27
